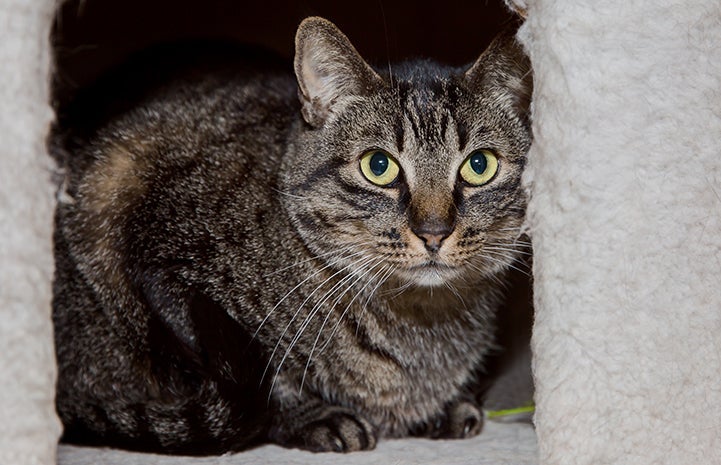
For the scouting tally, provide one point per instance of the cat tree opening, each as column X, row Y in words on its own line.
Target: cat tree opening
column 92, row 37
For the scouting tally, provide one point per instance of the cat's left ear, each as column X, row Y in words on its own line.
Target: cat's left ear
column 329, row 70
column 504, row 71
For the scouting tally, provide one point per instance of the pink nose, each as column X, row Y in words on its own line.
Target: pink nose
column 432, row 241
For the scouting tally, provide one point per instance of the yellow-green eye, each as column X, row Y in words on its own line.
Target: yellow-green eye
column 379, row 168
column 479, row 168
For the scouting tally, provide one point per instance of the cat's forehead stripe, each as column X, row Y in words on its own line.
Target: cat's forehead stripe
column 426, row 111
column 462, row 134
column 444, row 125
column 400, row 134
column 437, row 130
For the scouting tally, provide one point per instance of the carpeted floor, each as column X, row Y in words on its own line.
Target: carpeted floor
column 499, row 444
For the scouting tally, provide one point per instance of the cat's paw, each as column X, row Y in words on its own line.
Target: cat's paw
column 464, row 420
column 334, row 429
column 339, row 432
column 461, row 420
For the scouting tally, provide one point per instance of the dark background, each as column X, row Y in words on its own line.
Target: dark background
column 90, row 36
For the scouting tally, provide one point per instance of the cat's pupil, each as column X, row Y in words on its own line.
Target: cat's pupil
column 479, row 163
column 378, row 163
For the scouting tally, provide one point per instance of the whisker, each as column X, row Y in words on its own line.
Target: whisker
column 493, row 277
column 378, row 262
column 328, row 265
column 455, row 292
column 382, row 280
column 507, row 249
column 315, row 257
column 395, row 292
column 307, row 320
column 297, row 312
column 288, row 194
column 388, row 53
column 324, row 299
column 330, row 337
column 504, row 264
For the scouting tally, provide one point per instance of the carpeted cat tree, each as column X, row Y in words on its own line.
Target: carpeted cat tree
column 625, row 214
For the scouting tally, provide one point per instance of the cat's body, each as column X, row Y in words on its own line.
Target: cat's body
column 226, row 275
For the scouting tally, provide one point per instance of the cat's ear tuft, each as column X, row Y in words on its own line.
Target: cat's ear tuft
column 504, row 71
column 329, row 70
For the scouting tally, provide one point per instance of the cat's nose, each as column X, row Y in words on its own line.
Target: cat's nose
column 433, row 234
column 433, row 218
column 432, row 241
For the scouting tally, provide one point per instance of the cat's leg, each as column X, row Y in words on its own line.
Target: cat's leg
column 320, row 427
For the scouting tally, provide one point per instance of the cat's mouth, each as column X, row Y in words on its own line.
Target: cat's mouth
column 431, row 265
column 432, row 273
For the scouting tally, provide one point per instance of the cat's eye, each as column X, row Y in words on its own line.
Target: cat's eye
column 479, row 167
column 379, row 168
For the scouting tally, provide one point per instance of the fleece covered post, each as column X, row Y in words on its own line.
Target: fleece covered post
column 28, row 426
column 625, row 215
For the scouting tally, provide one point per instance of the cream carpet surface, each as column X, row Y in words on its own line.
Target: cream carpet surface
column 498, row 444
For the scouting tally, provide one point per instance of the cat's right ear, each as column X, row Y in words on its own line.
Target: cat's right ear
column 504, row 72
column 329, row 70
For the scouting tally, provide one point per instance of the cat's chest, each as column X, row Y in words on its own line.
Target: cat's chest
column 396, row 363
column 402, row 375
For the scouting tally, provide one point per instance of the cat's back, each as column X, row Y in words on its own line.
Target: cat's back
column 167, row 146
column 160, row 154
column 177, row 101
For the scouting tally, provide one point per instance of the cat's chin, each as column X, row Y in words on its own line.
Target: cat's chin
column 430, row 280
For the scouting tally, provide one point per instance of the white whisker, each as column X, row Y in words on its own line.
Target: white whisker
column 455, row 292
column 503, row 263
column 396, row 291
column 493, row 277
column 506, row 249
column 330, row 337
column 317, row 272
column 381, row 281
column 377, row 262
column 297, row 312
column 315, row 257
column 288, row 194
column 323, row 300
column 308, row 318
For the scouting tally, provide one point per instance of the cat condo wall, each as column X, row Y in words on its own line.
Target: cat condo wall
column 624, row 178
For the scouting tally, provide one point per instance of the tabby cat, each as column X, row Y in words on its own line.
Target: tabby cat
column 245, row 257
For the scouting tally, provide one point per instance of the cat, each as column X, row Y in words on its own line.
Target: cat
column 246, row 256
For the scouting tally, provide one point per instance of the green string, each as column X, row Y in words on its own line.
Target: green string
column 510, row 411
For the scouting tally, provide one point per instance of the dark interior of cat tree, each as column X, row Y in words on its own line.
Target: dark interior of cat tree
column 90, row 37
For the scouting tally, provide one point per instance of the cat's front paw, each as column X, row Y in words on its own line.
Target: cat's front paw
column 334, row 429
column 464, row 420
column 461, row 420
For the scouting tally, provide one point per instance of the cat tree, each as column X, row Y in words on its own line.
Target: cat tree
column 625, row 183
column 625, row 213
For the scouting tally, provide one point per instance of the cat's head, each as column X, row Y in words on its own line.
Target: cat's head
column 414, row 171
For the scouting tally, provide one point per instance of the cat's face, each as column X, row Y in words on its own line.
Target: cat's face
column 415, row 176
